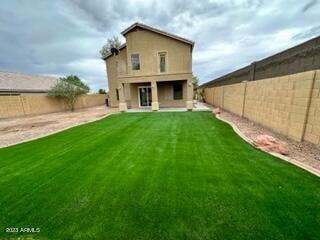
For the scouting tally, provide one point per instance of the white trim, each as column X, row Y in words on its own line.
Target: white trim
column 148, row 86
column 166, row 62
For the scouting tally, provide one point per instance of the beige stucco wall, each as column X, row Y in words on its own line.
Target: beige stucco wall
column 165, row 95
column 122, row 66
column 131, row 93
column 148, row 44
column 287, row 104
column 111, row 65
column 16, row 106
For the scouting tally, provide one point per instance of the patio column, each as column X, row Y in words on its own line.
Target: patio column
column 154, row 94
column 189, row 95
column 122, row 101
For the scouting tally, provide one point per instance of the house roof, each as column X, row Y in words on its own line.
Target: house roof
column 140, row 25
column 110, row 54
column 25, row 82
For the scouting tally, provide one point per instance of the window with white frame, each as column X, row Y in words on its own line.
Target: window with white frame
column 162, row 61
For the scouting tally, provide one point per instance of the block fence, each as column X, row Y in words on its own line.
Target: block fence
column 301, row 58
column 16, row 106
column 287, row 104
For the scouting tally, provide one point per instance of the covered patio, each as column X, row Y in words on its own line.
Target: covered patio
column 197, row 106
column 155, row 95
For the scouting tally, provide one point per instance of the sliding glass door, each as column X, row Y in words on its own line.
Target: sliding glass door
column 144, row 96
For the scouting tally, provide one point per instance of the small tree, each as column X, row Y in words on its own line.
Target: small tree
column 113, row 42
column 101, row 91
column 195, row 81
column 69, row 88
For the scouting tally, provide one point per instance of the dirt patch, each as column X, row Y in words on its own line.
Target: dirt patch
column 100, row 115
column 16, row 130
column 23, row 127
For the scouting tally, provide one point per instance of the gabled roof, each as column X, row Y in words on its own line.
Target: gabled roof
column 25, row 82
column 152, row 29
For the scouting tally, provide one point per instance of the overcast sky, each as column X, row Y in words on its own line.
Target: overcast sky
column 64, row 37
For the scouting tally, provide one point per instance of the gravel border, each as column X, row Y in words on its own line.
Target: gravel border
column 303, row 154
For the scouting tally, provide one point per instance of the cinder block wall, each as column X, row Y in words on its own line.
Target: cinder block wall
column 288, row 104
column 34, row 105
column 312, row 131
column 218, row 96
column 11, row 106
column 208, row 92
column 16, row 106
column 233, row 98
column 301, row 58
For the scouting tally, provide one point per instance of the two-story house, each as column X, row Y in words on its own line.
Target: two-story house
column 153, row 69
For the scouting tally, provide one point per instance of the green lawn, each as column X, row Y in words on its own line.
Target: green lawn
column 155, row 176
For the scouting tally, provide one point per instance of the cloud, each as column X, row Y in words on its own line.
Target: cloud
column 309, row 5
column 308, row 33
column 64, row 37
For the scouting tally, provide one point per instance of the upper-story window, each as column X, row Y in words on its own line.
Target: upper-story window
column 135, row 61
column 162, row 61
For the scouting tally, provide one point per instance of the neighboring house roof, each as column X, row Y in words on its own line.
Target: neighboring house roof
column 152, row 29
column 25, row 82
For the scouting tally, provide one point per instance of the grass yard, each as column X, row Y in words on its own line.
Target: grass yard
column 183, row 175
